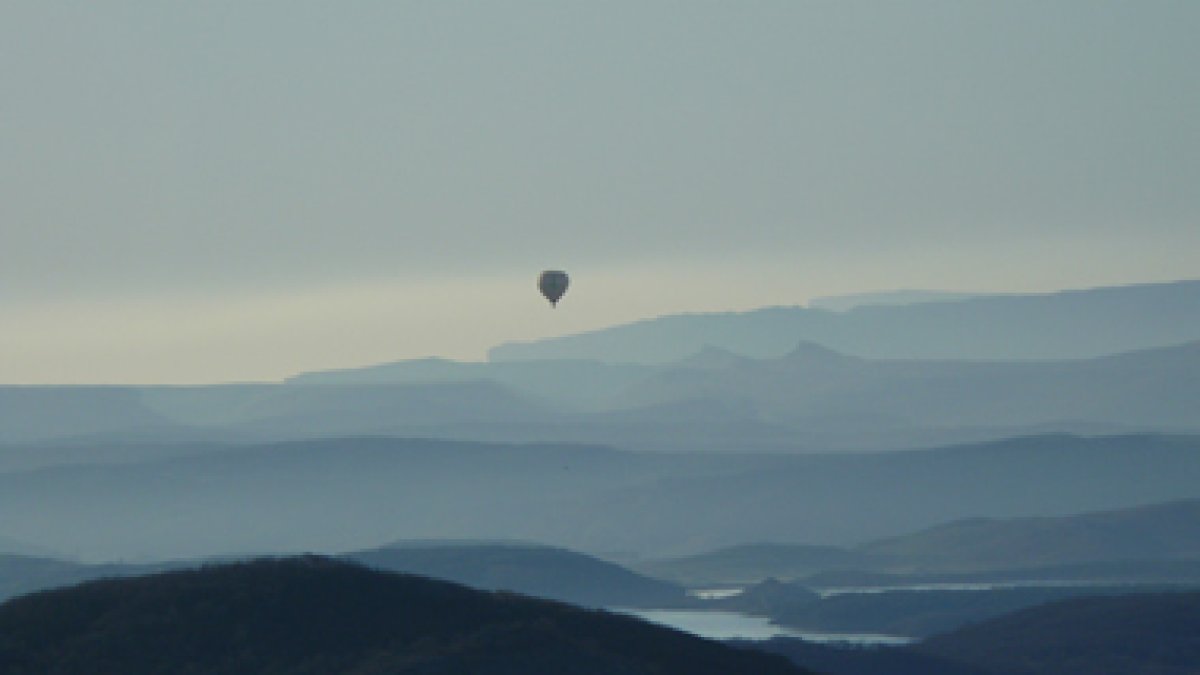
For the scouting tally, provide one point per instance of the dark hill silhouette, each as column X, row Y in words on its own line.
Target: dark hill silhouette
column 541, row 571
column 1068, row 324
column 1152, row 634
column 315, row 615
column 852, row 660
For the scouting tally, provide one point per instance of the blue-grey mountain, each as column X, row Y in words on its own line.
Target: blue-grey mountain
column 1068, row 324
column 350, row 494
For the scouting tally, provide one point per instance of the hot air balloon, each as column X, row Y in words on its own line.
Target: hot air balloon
column 552, row 284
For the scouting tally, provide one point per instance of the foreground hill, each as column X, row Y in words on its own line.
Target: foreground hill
column 1153, row 634
column 834, row 659
column 1069, row 324
column 315, row 615
column 542, row 571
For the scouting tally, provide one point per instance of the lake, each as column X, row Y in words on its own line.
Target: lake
column 960, row 586
column 722, row 625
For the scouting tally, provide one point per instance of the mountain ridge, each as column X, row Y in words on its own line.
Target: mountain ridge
column 1162, row 531
column 1078, row 322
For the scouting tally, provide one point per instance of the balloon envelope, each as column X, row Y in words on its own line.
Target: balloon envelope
column 552, row 284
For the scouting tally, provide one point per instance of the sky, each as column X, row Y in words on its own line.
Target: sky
column 231, row 191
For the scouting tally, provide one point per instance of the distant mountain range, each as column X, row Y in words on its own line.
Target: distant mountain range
column 810, row 399
column 337, row 495
column 752, row 563
column 820, row 392
column 1114, row 360
column 1157, row 532
column 1064, row 325
column 1139, row 543
column 1116, row 545
column 316, row 615
column 554, row 383
column 1061, row 455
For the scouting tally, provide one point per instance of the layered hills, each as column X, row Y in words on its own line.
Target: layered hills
column 902, row 463
column 350, row 494
column 1149, row 543
column 1156, row 532
column 810, row 399
column 1127, row 359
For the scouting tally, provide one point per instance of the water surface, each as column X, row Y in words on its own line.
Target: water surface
column 722, row 625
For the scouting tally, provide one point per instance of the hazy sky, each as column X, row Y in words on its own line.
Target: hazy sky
column 209, row 191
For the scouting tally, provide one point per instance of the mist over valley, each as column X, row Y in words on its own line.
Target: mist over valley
column 838, row 498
